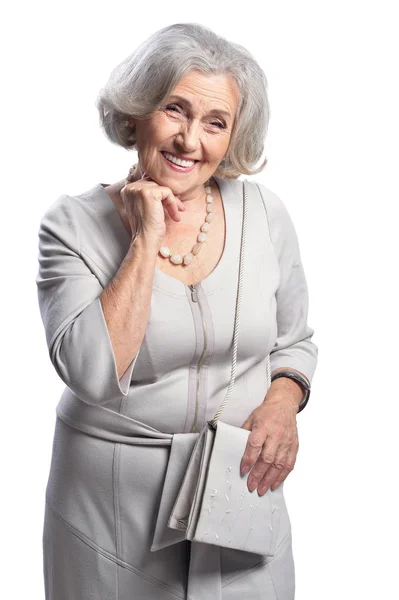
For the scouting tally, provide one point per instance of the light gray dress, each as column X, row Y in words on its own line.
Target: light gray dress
column 119, row 444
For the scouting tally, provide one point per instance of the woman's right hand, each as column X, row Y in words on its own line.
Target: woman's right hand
column 145, row 202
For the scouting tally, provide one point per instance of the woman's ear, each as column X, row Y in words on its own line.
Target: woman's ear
column 131, row 124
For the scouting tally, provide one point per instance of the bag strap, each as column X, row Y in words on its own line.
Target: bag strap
column 213, row 422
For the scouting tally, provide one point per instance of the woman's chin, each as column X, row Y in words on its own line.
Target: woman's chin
column 175, row 181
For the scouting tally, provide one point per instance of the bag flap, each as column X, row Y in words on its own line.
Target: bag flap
column 209, row 440
column 230, row 514
column 180, row 514
column 180, row 452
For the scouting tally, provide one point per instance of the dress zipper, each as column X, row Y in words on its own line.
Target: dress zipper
column 194, row 297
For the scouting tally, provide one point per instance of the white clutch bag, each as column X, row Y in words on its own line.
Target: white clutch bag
column 214, row 505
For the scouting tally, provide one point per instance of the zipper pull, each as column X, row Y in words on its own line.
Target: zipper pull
column 194, row 296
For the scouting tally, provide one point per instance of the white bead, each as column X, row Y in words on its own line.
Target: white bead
column 209, row 208
column 188, row 258
column 164, row 250
column 202, row 237
column 209, row 217
column 176, row 259
column 196, row 248
column 208, row 189
column 205, row 227
column 209, row 199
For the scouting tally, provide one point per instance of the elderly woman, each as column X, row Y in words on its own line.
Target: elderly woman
column 137, row 288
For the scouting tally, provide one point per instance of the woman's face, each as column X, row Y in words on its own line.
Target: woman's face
column 194, row 122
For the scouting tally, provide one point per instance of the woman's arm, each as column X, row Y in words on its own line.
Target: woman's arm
column 126, row 301
column 93, row 333
column 294, row 348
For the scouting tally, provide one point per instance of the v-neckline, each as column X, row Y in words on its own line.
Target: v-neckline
column 216, row 278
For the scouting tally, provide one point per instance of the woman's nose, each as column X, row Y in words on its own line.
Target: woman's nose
column 189, row 136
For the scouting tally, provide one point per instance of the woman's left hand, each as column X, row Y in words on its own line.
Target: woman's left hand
column 274, row 433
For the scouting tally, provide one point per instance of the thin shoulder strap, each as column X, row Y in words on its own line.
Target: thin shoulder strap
column 213, row 422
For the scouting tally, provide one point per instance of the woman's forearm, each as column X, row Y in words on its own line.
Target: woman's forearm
column 126, row 301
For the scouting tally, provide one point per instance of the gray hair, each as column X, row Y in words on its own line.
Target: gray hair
column 144, row 79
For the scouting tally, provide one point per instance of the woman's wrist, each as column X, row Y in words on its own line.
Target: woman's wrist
column 292, row 383
column 146, row 244
column 290, row 389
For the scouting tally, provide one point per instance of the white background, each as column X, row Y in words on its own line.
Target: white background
column 333, row 153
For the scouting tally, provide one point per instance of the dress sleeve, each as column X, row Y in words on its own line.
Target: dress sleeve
column 294, row 347
column 76, row 331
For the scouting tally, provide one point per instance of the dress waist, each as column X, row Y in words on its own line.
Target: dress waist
column 107, row 424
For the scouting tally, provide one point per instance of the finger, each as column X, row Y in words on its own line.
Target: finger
column 279, row 462
column 264, row 462
column 137, row 186
column 180, row 204
column 278, row 481
column 289, row 466
column 282, row 451
column 274, row 473
column 131, row 189
column 255, row 441
column 247, row 424
column 163, row 194
column 171, row 203
column 282, row 465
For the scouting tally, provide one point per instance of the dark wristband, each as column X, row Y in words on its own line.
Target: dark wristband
column 300, row 380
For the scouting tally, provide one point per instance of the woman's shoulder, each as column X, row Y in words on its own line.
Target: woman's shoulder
column 276, row 210
column 281, row 227
column 66, row 204
column 272, row 201
column 73, row 217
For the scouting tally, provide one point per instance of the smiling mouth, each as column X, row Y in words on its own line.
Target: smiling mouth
column 179, row 162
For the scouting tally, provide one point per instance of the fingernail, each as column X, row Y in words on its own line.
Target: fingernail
column 244, row 469
column 251, row 486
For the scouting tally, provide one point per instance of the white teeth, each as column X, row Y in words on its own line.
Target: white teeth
column 178, row 161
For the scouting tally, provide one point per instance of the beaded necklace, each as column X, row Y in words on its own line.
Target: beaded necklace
column 174, row 257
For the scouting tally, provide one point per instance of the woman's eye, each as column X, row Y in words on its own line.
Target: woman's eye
column 219, row 124
column 172, row 107
column 176, row 108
